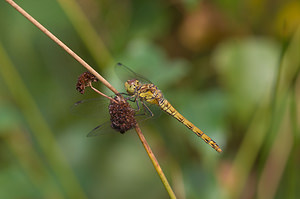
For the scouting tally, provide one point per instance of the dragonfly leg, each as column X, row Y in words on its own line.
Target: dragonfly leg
column 147, row 112
column 125, row 94
column 134, row 99
column 147, row 109
column 137, row 105
column 131, row 98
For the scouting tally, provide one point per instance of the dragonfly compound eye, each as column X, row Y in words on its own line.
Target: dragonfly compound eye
column 121, row 115
column 131, row 86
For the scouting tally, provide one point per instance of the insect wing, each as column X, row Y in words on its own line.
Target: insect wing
column 125, row 73
column 101, row 129
column 91, row 108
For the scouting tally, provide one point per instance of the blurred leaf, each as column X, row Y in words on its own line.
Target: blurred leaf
column 9, row 117
column 151, row 62
column 149, row 15
column 288, row 19
column 203, row 28
column 247, row 68
column 12, row 178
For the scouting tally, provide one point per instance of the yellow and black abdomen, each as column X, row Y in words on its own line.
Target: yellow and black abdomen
column 168, row 108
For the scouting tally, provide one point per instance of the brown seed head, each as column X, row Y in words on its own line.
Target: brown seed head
column 121, row 115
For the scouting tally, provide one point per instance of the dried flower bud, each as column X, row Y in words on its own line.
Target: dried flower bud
column 84, row 81
column 121, row 115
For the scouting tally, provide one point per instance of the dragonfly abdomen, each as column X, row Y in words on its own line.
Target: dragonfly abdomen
column 168, row 108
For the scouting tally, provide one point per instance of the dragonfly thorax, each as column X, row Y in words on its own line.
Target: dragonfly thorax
column 145, row 92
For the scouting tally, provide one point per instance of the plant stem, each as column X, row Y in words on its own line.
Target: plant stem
column 100, row 93
column 155, row 162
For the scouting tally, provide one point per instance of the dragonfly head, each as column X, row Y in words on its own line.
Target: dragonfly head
column 131, row 86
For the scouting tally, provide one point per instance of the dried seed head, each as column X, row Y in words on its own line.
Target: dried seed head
column 121, row 115
column 84, row 81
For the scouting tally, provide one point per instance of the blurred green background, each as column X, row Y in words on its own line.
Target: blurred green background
column 230, row 67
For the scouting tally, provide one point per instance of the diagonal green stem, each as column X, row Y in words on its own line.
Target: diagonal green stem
column 155, row 162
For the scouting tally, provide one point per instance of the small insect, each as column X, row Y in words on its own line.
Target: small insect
column 142, row 90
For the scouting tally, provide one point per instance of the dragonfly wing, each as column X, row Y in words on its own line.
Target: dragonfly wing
column 125, row 73
column 101, row 129
column 91, row 108
column 144, row 111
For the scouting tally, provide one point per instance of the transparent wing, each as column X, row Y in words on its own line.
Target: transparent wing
column 97, row 109
column 144, row 113
column 100, row 129
column 91, row 108
column 125, row 73
column 107, row 126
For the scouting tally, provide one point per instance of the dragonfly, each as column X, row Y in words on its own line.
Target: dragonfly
column 140, row 89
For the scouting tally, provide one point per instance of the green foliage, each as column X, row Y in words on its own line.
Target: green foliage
column 230, row 67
